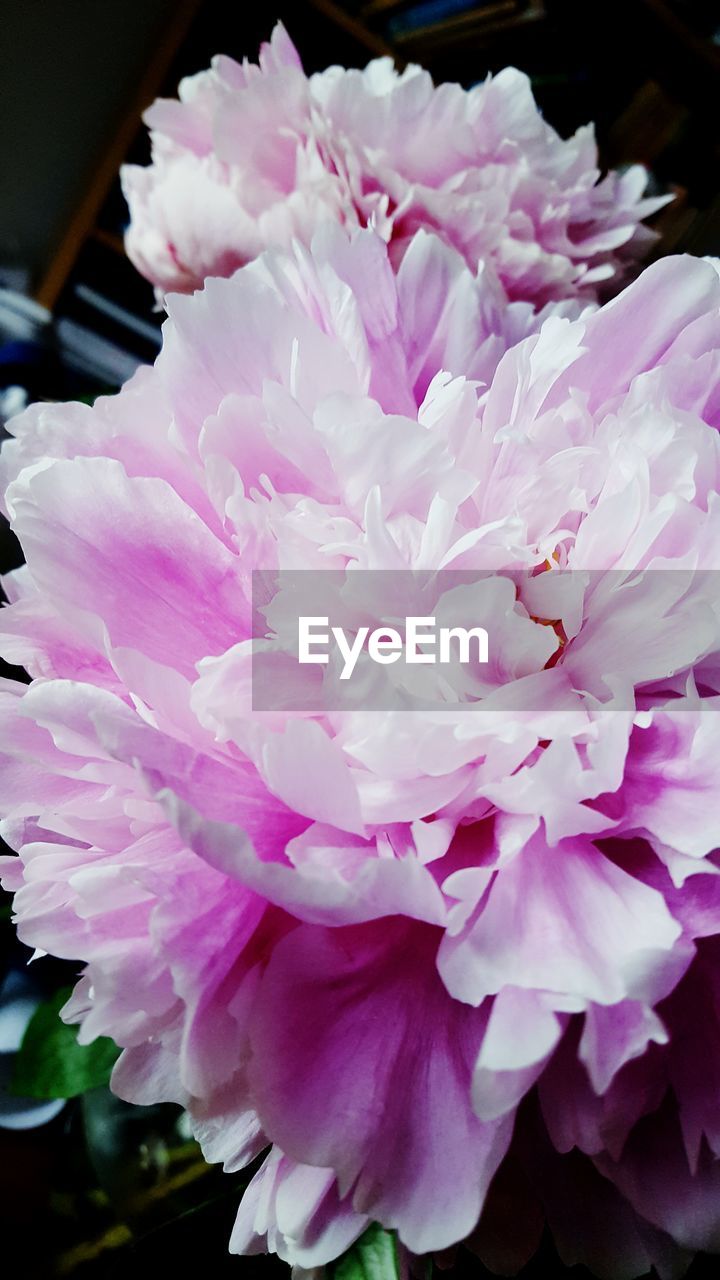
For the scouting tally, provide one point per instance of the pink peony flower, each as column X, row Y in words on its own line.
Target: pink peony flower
column 251, row 157
column 436, row 961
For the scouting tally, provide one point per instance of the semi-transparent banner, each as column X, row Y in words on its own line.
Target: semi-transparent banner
column 417, row 640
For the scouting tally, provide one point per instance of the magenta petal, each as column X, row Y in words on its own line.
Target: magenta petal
column 334, row 1030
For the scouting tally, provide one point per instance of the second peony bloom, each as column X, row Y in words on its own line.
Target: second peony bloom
column 252, row 157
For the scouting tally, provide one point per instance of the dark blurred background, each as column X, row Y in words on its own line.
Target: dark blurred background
column 92, row 1189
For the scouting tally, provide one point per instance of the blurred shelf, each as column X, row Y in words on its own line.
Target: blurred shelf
column 82, row 222
column 353, row 26
column 475, row 26
column 110, row 239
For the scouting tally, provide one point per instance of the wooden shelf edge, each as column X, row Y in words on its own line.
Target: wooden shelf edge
column 81, row 223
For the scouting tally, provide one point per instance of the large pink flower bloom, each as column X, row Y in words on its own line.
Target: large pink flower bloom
column 364, row 937
column 251, row 157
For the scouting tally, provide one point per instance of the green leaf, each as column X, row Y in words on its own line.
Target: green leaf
column 51, row 1064
column 372, row 1257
